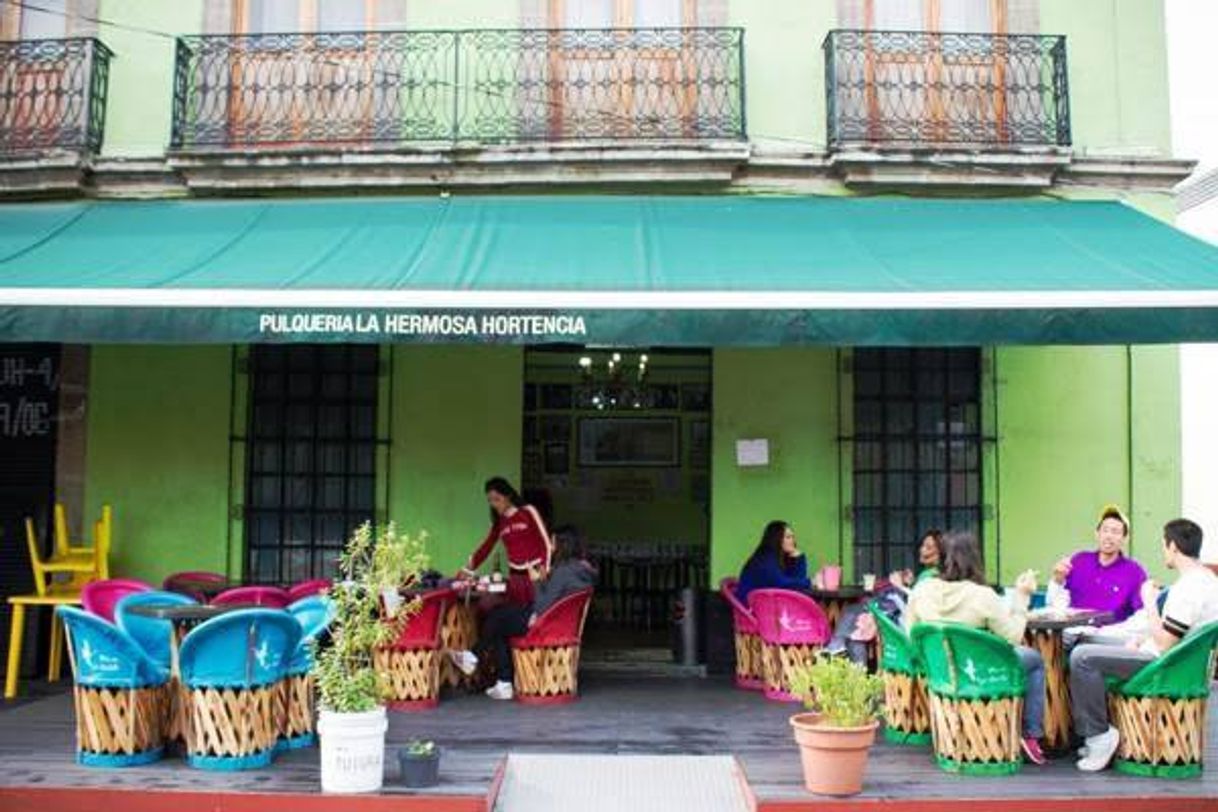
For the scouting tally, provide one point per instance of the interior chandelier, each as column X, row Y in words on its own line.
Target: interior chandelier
column 614, row 382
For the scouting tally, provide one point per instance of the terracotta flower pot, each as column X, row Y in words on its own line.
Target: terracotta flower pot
column 834, row 758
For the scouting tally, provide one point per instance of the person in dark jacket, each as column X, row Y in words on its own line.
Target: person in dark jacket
column 569, row 573
column 777, row 563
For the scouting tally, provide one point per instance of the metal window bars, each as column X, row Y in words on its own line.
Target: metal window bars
column 52, row 96
column 926, row 89
column 360, row 89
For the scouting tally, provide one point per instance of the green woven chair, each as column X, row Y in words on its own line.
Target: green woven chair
column 906, row 707
column 976, row 686
column 1160, row 710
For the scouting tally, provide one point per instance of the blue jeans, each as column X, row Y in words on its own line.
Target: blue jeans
column 1034, row 693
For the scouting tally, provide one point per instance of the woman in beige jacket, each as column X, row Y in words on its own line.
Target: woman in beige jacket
column 961, row 595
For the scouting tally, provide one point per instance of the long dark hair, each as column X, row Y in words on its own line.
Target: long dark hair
column 504, row 488
column 961, row 559
column 934, row 534
column 771, row 543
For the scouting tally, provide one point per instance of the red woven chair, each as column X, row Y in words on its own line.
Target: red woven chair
column 269, row 596
column 412, row 662
column 100, row 597
column 547, row 658
column 750, row 670
column 306, row 588
column 793, row 628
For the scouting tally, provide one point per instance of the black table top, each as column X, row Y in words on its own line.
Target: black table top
column 846, row 592
column 186, row 613
column 1073, row 617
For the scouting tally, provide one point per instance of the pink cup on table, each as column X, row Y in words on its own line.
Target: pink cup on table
column 831, row 577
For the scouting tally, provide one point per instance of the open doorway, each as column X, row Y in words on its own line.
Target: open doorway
column 617, row 443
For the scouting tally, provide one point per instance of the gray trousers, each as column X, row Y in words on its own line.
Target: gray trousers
column 1034, row 693
column 1090, row 663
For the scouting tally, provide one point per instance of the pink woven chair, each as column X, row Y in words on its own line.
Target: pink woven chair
column 100, row 597
column 306, row 588
column 793, row 628
column 198, row 584
column 750, row 671
column 270, row 596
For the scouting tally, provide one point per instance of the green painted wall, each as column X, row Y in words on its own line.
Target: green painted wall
column 158, row 452
column 1065, row 442
column 455, row 422
column 788, row 396
column 784, row 69
column 138, row 115
column 1117, row 52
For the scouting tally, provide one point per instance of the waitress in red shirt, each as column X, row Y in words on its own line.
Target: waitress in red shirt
column 523, row 533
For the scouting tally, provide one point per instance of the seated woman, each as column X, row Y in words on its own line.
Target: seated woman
column 856, row 627
column 929, row 554
column 569, row 573
column 961, row 595
column 777, row 563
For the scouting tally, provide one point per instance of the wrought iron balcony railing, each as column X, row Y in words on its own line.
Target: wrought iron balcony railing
column 52, row 95
column 925, row 89
column 490, row 86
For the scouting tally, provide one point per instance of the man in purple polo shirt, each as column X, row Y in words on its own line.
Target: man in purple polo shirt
column 1104, row 579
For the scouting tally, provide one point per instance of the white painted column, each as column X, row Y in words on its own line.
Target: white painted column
column 1199, row 438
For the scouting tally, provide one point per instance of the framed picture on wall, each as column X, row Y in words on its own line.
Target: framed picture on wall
column 629, row 441
column 557, row 458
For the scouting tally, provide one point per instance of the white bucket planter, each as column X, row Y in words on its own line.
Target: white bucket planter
column 352, row 750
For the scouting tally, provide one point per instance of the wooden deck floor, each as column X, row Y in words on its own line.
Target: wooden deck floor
column 614, row 716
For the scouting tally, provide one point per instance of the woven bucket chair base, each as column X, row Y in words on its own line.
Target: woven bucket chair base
column 547, row 675
column 294, row 712
column 977, row 737
column 780, row 661
column 906, row 709
column 750, row 665
column 231, row 728
column 1160, row 736
column 119, row 727
column 458, row 632
column 413, row 677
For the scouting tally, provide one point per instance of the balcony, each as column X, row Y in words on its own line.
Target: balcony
column 403, row 89
column 921, row 90
column 52, row 98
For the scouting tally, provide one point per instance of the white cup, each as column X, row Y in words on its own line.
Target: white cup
column 869, row 582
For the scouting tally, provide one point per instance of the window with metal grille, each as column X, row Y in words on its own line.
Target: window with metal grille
column 311, row 457
column 917, row 450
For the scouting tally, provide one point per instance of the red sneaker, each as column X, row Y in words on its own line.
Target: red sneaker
column 1031, row 749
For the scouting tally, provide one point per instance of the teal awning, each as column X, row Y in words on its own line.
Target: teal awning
column 595, row 269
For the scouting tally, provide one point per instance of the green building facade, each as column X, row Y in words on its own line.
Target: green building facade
column 1063, row 429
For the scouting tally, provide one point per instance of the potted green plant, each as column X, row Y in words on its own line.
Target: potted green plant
column 367, row 614
column 835, row 734
column 419, row 764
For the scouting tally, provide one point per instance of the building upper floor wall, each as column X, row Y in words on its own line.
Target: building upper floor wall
column 201, row 92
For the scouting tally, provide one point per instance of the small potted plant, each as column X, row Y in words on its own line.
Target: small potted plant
column 367, row 614
column 843, row 704
column 419, row 763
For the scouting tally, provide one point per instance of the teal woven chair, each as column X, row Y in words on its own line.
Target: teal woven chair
column 906, row 706
column 1160, row 710
column 976, row 685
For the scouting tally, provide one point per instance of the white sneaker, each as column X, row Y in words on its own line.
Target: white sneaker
column 1084, row 751
column 1100, row 750
column 500, row 690
column 465, row 661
